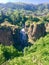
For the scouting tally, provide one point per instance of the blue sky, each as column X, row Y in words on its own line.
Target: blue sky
column 26, row 1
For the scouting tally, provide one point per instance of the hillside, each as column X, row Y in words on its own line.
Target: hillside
column 38, row 54
column 24, row 6
column 24, row 34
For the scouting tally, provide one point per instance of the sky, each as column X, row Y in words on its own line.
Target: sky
column 26, row 1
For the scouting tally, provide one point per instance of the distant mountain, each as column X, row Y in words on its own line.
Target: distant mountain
column 24, row 6
column 18, row 6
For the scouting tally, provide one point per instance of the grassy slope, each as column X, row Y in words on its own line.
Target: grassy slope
column 38, row 54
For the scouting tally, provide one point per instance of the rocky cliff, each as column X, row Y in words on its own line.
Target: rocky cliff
column 6, row 36
column 47, row 27
column 36, row 31
column 9, row 35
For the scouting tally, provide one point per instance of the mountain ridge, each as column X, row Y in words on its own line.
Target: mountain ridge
column 25, row 6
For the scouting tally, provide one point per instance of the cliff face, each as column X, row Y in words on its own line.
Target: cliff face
column 9, row 36
column 6, row 36
column 36, row 31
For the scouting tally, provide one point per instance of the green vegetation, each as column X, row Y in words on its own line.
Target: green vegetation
column 35, row 55
column 8, row 52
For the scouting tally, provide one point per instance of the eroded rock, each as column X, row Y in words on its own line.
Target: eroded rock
column 47, row 27
column 36, row 31
column 6, row 35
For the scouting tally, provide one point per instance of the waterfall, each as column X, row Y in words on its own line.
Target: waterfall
column 23, row 37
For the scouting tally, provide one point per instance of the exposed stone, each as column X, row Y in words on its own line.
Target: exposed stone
column 36, row 31
column 47, row 27
column 26, row 28
column 6, row 36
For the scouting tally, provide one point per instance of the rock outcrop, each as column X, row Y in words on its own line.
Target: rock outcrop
column 47, row 27
column 9, row 35
column 6, row 35
column 36, row 31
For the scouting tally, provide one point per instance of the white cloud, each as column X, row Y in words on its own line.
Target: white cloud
column 4, row 1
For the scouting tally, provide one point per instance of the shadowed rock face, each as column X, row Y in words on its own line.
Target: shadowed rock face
column 20, row 39
column 36, row 31
column 9, row 36
column 16, row 35
column 6, row 36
